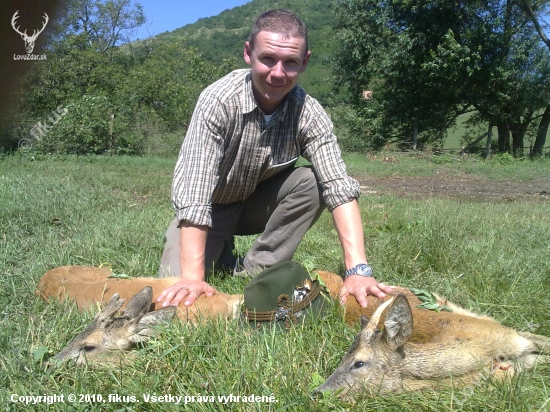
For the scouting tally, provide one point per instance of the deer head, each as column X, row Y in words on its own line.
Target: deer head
column 108, row 335
column 29, row 40
column 372, row 363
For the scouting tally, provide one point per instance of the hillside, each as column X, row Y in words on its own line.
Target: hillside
column 223, row 36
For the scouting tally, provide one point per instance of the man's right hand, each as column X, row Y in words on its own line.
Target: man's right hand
column 185, row 289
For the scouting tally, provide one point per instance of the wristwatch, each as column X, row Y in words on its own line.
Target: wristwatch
column 362, row 269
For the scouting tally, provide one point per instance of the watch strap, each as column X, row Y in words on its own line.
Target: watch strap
column 355, row 271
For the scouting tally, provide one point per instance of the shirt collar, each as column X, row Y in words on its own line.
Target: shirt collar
column 249, row 102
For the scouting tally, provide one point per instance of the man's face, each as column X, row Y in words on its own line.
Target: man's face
column 276, row 63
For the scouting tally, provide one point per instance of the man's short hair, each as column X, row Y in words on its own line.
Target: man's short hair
column 279, row 21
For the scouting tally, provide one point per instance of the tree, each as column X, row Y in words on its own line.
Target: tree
column 388, row 48
column 430, row 61
column 118, row 99
column 106, row 24
column 533, row 10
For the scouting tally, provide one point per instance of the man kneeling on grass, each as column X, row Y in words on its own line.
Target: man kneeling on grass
column 235, row 173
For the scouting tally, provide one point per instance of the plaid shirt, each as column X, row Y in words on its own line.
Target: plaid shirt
column 229, row 149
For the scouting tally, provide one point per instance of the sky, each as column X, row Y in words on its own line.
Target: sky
column 168, row 15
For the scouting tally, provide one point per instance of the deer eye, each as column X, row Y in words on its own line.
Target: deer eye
column 358, row 364
column 88, row 348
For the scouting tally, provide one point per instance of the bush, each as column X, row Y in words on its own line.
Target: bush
column 85, row 128
column 503, row 158
column 116, row 101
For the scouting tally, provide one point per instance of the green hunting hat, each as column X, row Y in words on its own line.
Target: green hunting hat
column 283, row 294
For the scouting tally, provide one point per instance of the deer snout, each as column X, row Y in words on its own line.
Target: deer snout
column 330, row 389
column 318, row 393
column 335, row 384
column 322, row 392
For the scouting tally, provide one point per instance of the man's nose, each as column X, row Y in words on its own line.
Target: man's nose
column 278, row 70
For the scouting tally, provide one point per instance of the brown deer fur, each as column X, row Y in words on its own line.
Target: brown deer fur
column 88, row 286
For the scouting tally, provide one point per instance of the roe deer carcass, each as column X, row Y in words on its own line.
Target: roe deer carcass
column 420, row 349
column 108, row 334
column 88, row 286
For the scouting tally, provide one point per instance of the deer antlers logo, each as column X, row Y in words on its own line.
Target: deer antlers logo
column 29, row 40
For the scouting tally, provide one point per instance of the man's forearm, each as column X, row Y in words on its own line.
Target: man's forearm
column 347, row 220
column 192, row 283
column 192, row 251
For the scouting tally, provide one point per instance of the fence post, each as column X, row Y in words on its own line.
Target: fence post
column 489, row 138
column 415, row 136
column 111, row 134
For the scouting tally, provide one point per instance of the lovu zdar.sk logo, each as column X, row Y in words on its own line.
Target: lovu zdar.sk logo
column 29, row 40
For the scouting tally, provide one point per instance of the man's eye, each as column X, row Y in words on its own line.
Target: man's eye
column 291, row 65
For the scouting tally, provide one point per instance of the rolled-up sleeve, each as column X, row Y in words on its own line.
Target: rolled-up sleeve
column 196, row 172
column 322, row 150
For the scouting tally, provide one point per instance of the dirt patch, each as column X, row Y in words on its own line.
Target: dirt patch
column 466, row 187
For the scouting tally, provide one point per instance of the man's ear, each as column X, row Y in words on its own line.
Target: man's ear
column 305, row 61
column 247, row 53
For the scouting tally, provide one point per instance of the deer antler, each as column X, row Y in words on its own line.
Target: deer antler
column 47, row 19
column 108, row 312
column 35, row 35
column 13, row 19
column 373, row 323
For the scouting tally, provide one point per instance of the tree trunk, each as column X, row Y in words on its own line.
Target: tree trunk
column 472, row 144
column 517, row 140
column 503, row 136
column 519, row 129
column 541, row 133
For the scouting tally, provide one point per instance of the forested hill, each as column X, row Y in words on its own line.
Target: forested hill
column 223, row 36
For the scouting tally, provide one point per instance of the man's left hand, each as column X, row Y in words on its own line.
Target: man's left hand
column 361, row 287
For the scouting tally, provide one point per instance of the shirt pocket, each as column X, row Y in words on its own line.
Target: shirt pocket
column 282, row 157
column 284, row 153
column 276, row 163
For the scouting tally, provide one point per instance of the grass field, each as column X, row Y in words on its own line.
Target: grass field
column 491, row 257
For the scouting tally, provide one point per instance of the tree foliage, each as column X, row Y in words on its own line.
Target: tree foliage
column 116, row 99
column 106, row 24
column 535, row 9
column 430, row 61
column 427, row 62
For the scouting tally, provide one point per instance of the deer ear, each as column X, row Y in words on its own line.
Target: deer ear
column 139, row 304
column 148, row 325
column 399, row 323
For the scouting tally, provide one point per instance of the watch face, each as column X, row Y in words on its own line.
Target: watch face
column 364, row 270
